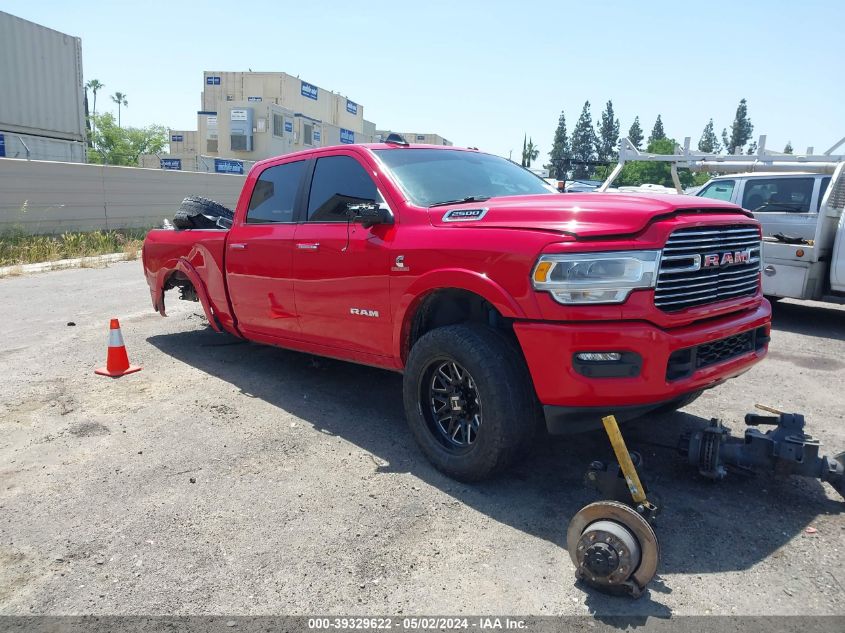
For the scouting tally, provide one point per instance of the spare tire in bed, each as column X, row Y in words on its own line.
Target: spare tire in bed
column 197, row 212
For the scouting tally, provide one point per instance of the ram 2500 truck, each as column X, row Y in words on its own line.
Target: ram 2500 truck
column 504, row 303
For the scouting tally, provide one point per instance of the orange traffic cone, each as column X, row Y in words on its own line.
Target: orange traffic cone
column 117, row 362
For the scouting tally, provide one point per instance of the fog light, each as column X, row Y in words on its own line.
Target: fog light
column 599, row 357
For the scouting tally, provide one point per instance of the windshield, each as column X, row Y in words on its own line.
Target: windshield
column 718, row 190
column 435, row 176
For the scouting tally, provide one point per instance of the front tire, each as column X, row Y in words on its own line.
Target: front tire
column 469, row 400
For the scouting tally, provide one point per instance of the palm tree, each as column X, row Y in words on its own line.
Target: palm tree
column 120, row 99
column 531, row 152
column 94, row 85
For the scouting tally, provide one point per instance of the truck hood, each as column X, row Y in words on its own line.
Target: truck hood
column 580, row 215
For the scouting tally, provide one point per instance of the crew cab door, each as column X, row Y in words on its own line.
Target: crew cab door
column 341, row 269
column 259, row 254
column 783, row 204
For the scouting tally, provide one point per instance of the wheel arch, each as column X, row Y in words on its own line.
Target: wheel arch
column 448, row 297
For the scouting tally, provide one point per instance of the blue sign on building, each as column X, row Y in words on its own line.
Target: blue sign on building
column 316, row 136
column 212, row 81
column 176, row 138
column 308, row 90
column 420, row 137
column 255, row 99
column 288, row 126
column 171, row 163
column 223, row 166
column 351, row 107
column 347, row 136
column 2, row 144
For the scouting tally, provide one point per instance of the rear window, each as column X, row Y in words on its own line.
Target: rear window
column 274, row 195
column 778, row 195
column 719, row 190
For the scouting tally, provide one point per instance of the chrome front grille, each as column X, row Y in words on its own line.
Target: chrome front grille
column 702, row 265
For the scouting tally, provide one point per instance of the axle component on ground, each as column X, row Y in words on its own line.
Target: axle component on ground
column 782, row 451
column 611, row 543
column 609, row 481
column 613, row 548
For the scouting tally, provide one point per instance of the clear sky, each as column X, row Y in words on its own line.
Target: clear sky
column 482, row 73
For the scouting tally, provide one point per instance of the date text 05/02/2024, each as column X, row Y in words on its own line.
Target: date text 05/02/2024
column 416, row 623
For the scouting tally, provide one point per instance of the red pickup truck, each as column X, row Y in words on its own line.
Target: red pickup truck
column 503, row 302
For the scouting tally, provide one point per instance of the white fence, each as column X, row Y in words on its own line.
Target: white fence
column 49, row 197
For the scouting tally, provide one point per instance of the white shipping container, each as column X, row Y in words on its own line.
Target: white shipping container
column 41, row 85
column 41, row 148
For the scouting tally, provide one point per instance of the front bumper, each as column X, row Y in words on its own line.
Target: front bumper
column 549, row 349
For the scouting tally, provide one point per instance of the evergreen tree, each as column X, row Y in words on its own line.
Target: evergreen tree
column 709, row 141
column 741, row 129
column 608, row 133
column 583, row 143
column 752, row 148
column 635, row 134
column 524, row 149
column 788, row 148
column 657, row 132
column 560, row 149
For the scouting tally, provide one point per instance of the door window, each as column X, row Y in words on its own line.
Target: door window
column 822, row 188
column 337, row 182
column 274, row 195
column 778, row 194
column 718, row 190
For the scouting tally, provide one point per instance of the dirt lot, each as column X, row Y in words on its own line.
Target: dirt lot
column 232, row 478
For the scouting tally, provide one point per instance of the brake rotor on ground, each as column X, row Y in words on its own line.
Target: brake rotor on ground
column 613, row 548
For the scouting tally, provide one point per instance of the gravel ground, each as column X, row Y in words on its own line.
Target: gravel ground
column 232, row 478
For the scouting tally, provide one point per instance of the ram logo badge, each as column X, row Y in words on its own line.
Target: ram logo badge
column 731, row 258
column 364, row 312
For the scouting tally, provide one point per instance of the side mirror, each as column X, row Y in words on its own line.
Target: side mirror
column 369, row 214
column 224, row 223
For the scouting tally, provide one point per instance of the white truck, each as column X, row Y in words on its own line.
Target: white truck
column 814, row 268
column 807, row 259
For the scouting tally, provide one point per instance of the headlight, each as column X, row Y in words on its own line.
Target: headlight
column 595, row 277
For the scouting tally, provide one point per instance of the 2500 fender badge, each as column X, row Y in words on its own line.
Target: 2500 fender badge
column 363, row 312
column 464, row 215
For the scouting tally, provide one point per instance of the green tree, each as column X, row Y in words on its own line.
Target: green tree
column 120, row 99
column 94, row 86
column 788, row 148
column 608, row 133
column 530, row 152
column 640, row 172
column 741, row 129
column 560, row 149
column 635, row 133
column 709, row 142
column 524, row 149
column 583, row 143
column 657, row 132
column 114, row 145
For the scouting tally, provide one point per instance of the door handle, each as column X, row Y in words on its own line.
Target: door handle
column 308, row 246
column 237, row 247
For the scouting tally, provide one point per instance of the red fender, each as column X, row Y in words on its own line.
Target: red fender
column 444, row 279
column 184, row 266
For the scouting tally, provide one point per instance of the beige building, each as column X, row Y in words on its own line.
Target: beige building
column 414, row 137
column 247, row 117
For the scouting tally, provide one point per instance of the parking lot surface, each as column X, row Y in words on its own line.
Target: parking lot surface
column 232, row 478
